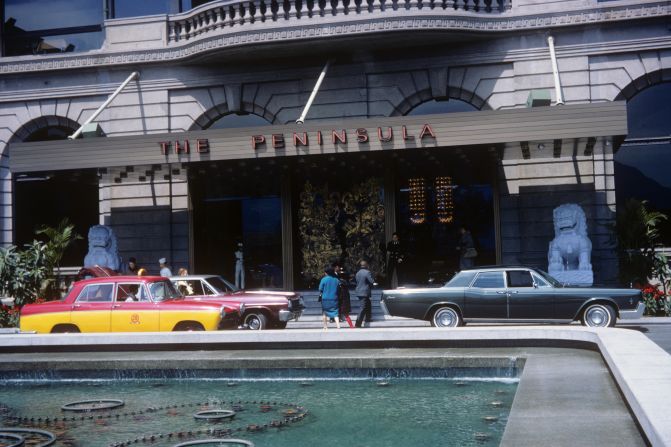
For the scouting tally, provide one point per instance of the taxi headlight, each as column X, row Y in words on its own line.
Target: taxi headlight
column 222, row 312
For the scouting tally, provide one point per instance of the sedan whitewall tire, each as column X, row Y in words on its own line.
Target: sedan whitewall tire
column 446, row 317
column 598, row 315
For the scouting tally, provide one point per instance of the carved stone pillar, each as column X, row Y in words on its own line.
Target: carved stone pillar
column 287, row 233
column 389, row 201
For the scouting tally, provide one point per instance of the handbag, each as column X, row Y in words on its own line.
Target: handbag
column 470, row 253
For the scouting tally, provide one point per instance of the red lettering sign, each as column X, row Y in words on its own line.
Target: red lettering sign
column 362, row 135
column 165, row 147
column 258, row 139
column 426, row 130
column 385, row 138
column 202, row 145
column 183, row 149
column 278, row 141
column 303, row 141
column 341, row 137
column 404, row 133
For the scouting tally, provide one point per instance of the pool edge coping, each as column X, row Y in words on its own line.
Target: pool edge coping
column 639, row 367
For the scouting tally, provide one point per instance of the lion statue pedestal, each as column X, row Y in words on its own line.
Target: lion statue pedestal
column 569, row 256
column 103, row 250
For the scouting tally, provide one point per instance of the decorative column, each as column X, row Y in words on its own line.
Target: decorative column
column 287, row 233
column 389, row 201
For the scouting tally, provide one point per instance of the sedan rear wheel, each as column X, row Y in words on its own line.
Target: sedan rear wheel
column 446, row 317
column 256, row 321
column 599, row 315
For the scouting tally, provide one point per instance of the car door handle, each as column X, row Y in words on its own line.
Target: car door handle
column 116, row 305
column 501, row 292
column 514, row 291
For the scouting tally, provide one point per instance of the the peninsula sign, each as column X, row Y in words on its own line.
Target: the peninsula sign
column 281, row 140
column 337, row 136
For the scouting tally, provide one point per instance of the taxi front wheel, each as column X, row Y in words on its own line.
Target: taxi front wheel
column 189, row 326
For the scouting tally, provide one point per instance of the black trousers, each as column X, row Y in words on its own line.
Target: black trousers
column 366, row 313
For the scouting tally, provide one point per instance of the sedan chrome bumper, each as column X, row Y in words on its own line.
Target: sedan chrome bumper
column 631, row 314
column 287, row 315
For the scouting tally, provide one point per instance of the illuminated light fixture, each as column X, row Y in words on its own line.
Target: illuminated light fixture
column 444, row 200
column 417, row 200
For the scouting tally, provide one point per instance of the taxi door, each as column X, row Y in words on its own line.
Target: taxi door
column 92, row 309
column 133, row 310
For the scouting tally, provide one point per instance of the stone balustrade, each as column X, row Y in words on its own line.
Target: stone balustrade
column 231, row 14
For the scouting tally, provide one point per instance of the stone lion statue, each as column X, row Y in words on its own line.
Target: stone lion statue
column 571, row 249
column 102, row 248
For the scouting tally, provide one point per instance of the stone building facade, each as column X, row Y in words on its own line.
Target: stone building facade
column 387, row 58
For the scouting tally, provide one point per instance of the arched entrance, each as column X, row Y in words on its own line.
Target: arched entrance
column 46, row 198
column 642, row 162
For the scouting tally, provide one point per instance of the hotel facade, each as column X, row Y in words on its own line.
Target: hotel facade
column 424, row 116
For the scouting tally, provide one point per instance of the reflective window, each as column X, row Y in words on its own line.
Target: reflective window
column 96, row 293
column 642, row 169
column 461, row 279
column 540, row 281
column 134, row 8
column 489, row 280
column 54, row 26
column 163, row 290
column 221, row 284
column 131, row 292
column 190, row 287
column 189, row 4
column 33, row 15
column 519, row 278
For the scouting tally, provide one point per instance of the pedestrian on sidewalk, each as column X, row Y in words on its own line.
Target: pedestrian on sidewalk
column 364, row 284
column 165, row 270
column 328, row 293
column 344, row 303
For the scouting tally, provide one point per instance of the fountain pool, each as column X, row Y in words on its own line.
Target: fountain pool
column 376, row 407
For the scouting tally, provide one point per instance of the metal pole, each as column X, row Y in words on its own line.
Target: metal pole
column 132, row 76
column 301, row 119
column 555, row 70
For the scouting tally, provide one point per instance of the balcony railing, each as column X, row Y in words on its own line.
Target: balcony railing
column 238, row 13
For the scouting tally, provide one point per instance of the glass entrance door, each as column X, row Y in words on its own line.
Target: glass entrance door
column 232, row 209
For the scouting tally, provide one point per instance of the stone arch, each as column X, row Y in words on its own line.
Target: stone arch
column 207, row 118
column 40, row 123
column 435, row 106
column 423, row 96
column 644, row 81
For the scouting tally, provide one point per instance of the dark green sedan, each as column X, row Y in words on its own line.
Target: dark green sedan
column 514, row 295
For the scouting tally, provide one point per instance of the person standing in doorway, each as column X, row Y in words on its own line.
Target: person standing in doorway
column 364, row 284
column 344, row 303
column 239, row 267
column 165, row 270
column 466, row 248
column 395, row 257
column 130, row 267
column 328, row 292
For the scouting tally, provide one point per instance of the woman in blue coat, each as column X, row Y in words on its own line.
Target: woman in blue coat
column 328, row 291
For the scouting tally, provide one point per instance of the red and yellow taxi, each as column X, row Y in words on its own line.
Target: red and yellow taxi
column 128, row 304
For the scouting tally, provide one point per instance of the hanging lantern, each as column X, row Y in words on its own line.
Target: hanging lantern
column 417, row 200
column 444, row 200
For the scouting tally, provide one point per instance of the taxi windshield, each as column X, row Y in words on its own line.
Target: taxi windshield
column 164, row 290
